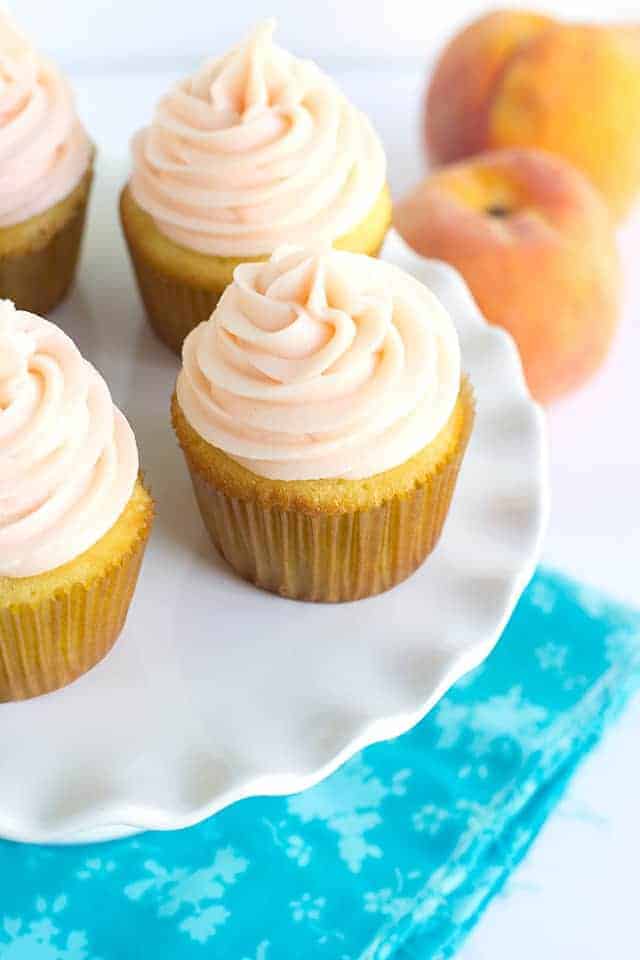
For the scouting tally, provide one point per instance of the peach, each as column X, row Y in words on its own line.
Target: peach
column 465, row 77
column 536, row 244
column 516, row 79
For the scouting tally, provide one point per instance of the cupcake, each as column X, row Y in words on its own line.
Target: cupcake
column 45, row 176
column 258, row 149
column 74, row 515
column 323, row 417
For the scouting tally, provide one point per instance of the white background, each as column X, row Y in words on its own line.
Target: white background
column 81, row 30
column 574, row 897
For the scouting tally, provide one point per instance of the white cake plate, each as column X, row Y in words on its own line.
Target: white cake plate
column 218, row 691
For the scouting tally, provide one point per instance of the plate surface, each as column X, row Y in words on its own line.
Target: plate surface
column 217, row 691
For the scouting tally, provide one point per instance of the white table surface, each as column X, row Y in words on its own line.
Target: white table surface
column 574, row 895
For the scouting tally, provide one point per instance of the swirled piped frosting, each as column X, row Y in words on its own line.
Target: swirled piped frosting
column 321, row 364
column 256, row 150
column 68, row 457
column 44, row 151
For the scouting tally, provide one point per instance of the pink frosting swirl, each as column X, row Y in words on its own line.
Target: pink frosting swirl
column 44, row 150
column 68, row 458
column 321, row 364
column 256, row 150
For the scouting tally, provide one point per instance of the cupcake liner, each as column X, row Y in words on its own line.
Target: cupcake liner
column 332, row 557
column 173, row 307
column 39, row 279
column 46, row 644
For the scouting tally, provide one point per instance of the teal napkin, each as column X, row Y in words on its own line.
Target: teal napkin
column 394, row 856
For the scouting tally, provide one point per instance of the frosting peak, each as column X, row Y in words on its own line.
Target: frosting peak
column 44, row 151
column 68, row 458
column 257, row 149
column 247, row 80
column 14, row 46
column 321, row 364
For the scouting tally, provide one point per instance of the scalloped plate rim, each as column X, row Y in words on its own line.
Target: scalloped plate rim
column 129, row 818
